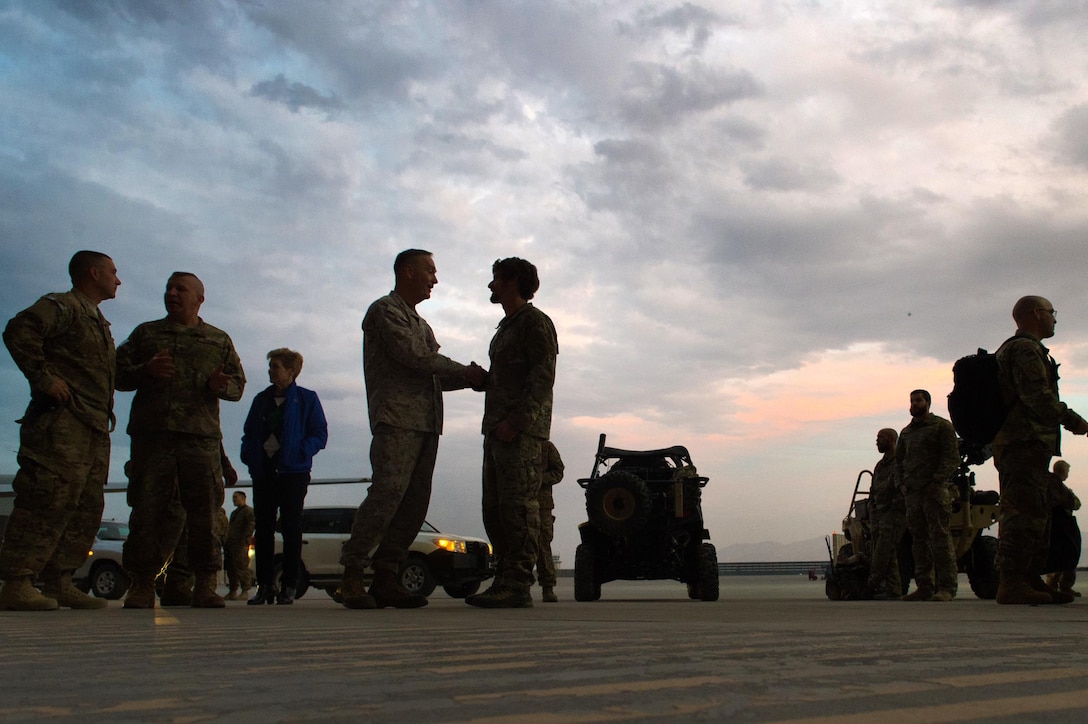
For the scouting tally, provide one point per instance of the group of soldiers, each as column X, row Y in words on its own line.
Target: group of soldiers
column 181, row 367
column 912, row 483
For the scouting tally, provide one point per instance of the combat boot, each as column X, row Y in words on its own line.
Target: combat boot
column 69, row 596
column 141, row 594
column 353, row 590
column 1015, row 590
column 387, row 592
column 233, row 595
column 547, row 594
column 176, row 591
column 505, row 596
column 204, row 595
column 19, row 595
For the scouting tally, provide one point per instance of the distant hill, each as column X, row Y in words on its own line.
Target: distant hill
column 813, row 549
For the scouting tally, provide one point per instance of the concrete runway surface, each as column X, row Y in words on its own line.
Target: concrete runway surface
column 772, row 649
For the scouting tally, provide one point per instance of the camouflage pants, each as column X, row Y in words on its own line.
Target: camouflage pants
column 175, row 487
column 63, row 465
column 177, row 567
column 545, row 563
column 929, row 509
column 236, row 561
column 1024, row 519
column 889, row 525
column 511, row 504
column 396, row 504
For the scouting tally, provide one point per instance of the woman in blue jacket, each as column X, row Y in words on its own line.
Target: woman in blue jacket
column 284, row 430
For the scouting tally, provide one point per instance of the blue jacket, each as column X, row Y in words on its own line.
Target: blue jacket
column 305, row 431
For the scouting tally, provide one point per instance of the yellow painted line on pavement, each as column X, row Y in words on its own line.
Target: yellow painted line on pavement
column 974, row 710
column 163, row 618
column 620, row 687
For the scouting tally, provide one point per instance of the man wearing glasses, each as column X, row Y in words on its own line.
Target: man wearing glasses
column 1022, row 450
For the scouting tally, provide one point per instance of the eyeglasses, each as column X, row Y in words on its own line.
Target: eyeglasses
column 1051, row 312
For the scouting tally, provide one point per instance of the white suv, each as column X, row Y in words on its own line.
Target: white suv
column 457, row 563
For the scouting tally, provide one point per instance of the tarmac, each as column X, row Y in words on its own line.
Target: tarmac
column 772, row 649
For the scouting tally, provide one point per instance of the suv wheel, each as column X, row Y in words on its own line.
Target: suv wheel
column 618, row 503
column 109, row 581
column 415, row 576
column 462, row 589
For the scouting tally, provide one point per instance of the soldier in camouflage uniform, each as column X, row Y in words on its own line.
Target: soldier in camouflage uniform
column 1022, row 448
column 926, row 457
column 545, row 562
column 181, row 368
column 517, row 422
column 887, row 520
column 63, row 345
column 238, row 532
column 405, row 376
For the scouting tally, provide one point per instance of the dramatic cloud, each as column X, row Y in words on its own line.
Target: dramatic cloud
column 757, row 226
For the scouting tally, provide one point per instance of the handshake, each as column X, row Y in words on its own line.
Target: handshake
column 476, row 376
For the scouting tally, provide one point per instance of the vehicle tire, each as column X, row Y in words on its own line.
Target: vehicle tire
column 586, row 586
column 415, row 576
column 618, row 503
column 462, row 589
column 981, row 569
column 708, row 573
column 693, row 591
column 107, row 580
column 832, row 589
column 302, row 585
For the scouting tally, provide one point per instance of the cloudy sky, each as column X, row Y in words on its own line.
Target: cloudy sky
column 758, row 225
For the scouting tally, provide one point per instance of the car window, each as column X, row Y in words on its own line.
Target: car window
column 427, row 528
column 327, row 520
column 113, row 531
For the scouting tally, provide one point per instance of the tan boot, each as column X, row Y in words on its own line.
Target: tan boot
column 386, row 592
column 69, row 596
column 204, row 595
column 1016, row 590
column 547, row 594
column 19, row 595
column 1056, row 596
column 353, row 590
column 141, row 594
column 233, row 595
column 176, row 591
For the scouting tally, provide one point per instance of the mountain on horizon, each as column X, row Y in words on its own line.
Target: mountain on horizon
column 813, row 549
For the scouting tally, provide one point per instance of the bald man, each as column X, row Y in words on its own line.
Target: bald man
column 1023, row 446
column 888, row 521
column 180, row 368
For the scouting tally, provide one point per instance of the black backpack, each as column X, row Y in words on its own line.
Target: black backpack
column 976, row 405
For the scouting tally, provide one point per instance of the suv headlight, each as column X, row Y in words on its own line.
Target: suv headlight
column 453, row 546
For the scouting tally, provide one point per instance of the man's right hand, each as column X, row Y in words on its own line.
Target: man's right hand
column 161, row 366
column 59, row 391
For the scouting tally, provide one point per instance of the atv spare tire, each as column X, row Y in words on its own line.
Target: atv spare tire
column 618, row 503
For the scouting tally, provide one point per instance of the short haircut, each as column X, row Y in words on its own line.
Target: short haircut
column 405, row 258
column 522, row 271
column 289, row 358
column 194, row 277
column 241, row 492
column 82, row 262
column 923, row 393
column 890, row 433
column 1025, row 307
column 1061, row 465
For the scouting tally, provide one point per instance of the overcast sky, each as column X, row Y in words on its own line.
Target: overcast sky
column 758, row 225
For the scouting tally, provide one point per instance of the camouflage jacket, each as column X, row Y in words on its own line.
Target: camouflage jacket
column 404, row 373
column 64, row 335
column 927, row 452
column 184, row 403
column 884, row 491
column 553, row 465
column 1029, row 382
column 519, row 385
column 242, row 524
